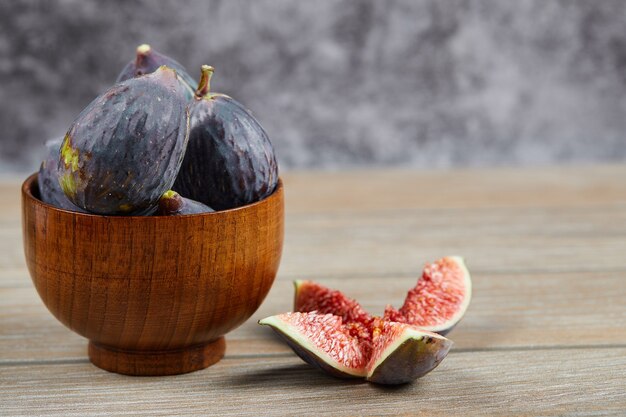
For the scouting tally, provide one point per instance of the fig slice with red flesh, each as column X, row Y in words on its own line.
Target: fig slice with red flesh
column 311, row 296
column 440, row 298
column 323, row 341
column 399, row 353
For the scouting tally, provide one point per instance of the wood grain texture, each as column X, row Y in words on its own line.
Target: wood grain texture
column 140, row 286
column 530, row 382
column 492, row 240
column 544, row 335
column 394, row 242
column 508, row 311
column 496, row 218
column 374, row 190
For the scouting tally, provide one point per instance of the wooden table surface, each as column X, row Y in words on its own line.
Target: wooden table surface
column 545, row 333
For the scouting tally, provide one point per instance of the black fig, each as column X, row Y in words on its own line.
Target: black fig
column 48, row 179
column 171, row 203
column 125, row 148
column 230, row 160
column 148, row 60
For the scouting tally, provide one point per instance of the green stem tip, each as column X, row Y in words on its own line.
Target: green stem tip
column 204, row 86
column 170, row 203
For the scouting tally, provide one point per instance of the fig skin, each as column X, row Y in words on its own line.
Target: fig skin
column 171, row 204
column 230, row 160
column 412, row 359
column 50, row 191
column 125, row 148
column 148, row 60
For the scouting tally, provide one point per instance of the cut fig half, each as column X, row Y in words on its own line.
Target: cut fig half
column 398, row 354
column 440, row 298
column 321, row 340
column 401, row 353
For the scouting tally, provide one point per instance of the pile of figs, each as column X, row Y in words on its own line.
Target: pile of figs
column 158, row 142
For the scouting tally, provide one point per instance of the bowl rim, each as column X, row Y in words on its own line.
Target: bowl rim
column 33, row 181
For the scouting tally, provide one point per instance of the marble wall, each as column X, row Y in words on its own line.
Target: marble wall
column 343, row 83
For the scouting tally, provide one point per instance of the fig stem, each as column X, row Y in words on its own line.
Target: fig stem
column 170, row 203
column 204, row 86
column 143, row 51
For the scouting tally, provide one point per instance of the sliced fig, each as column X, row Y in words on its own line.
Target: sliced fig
column 147, row 60
column 401, row 353
column 125, row 148
column 230, row 160
column 48, row 179
column 400, row 347
column 321, row 340
column 311, row 296
column 440, row 298
column 171, row 204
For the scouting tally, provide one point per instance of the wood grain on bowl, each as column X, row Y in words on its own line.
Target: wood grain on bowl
column 154, row 294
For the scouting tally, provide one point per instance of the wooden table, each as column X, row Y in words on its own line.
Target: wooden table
column 545, row 333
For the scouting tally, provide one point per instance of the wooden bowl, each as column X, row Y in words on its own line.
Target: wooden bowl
column 154, row 295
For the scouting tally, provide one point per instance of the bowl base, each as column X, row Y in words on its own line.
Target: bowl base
column 156, row 363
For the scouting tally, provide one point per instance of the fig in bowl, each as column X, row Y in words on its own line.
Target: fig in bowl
column 154, row 295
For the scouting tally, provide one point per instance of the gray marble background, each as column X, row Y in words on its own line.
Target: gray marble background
column 421, row 83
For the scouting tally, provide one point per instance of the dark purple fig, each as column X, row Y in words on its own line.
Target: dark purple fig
column 125, row 148
column 230, row 161
column 171, row 204
column 48, row 179
column 149, row 60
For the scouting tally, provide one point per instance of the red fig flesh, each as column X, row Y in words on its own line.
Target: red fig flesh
column 440, row 298
column 311, row 296
column 321, row 340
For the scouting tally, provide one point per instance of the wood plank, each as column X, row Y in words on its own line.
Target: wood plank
column 376, row 189
column 511, row 240
column 388, row 243
column 531, row 382
column 507, row 311
column 15, row 277
column 366, row 190
column 10, row 203
column 546, row 332
column 310, row 191
column 500, row 220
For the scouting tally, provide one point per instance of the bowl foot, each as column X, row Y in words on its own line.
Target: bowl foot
column 155, row 363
